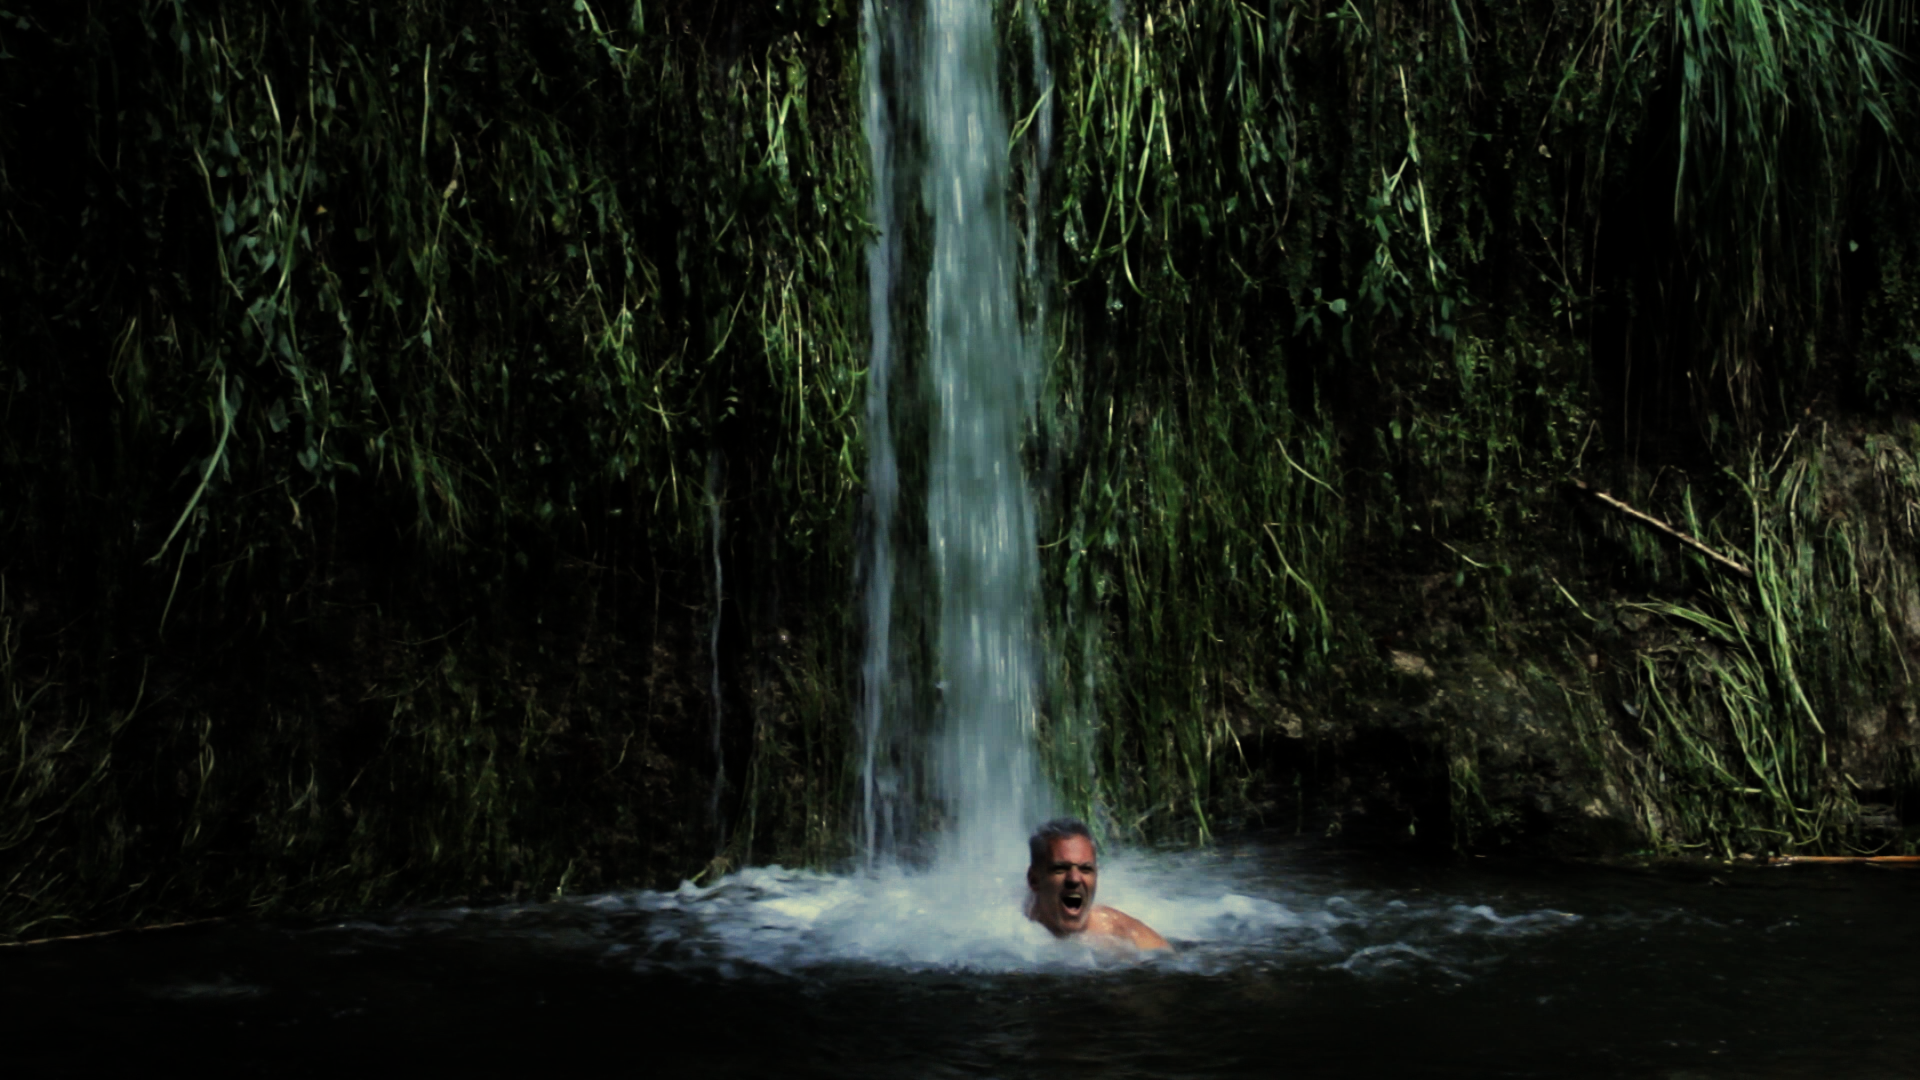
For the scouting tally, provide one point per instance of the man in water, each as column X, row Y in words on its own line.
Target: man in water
column 1062, row 875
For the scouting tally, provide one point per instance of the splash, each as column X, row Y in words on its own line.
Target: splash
column 1224, row 911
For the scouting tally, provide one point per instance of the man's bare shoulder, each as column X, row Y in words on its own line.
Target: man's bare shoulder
column 1112, row 922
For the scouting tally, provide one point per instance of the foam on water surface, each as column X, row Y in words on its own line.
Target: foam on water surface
column 1221, row 913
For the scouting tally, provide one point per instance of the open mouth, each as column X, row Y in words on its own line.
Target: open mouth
column 1073, row 903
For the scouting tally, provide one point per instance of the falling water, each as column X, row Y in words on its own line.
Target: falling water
column 979, row 511
column 715, row 478
column 878, row 785
column 1042, row 128
column 981, row 375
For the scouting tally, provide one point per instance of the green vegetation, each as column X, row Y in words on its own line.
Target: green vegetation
column 1762, row 706
column 362, row 365
column 1350, row 294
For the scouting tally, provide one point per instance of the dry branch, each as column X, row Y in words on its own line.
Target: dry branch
column 1649, row 519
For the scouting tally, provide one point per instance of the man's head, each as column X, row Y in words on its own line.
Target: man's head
column 1062, row 874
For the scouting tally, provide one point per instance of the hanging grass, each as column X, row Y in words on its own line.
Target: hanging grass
column 1755, row 708
column 1778, row 103
column 1337, row 290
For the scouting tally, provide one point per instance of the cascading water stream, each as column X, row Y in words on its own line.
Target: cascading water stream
column 877, row 784
column 981, row 375
column 716, row 477
column 979, row 510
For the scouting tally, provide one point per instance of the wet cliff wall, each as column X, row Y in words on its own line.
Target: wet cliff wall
column 433, row 464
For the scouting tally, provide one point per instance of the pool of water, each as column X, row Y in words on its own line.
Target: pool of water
column 1291, row 959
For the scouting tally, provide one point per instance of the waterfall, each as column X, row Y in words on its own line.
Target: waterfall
column 1043, row 149
column 981, row 379
column 716, row 477
column 979, row 510
column 878, row 783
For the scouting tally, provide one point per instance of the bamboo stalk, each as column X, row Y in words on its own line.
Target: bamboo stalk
column 1649, row 519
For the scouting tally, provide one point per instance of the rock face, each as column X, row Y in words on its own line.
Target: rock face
column 1639, row 695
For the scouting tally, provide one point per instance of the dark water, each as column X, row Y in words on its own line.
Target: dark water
column 1294, row 962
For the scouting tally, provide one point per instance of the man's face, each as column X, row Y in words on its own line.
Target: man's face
column 1063, row 885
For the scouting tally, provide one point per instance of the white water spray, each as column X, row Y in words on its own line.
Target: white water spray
column 1243, row 911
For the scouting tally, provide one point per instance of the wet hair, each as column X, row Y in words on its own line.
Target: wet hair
column 1040, row 843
